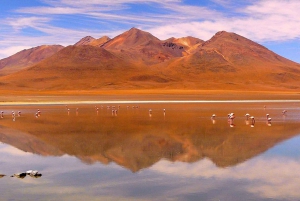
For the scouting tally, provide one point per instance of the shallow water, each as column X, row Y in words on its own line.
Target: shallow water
column 131, row 155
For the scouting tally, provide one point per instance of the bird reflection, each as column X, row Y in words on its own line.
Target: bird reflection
column 19, row 175
column 247, row 119
column 31, row 173
column 268, row 120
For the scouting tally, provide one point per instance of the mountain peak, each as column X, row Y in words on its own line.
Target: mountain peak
column 85, row 41
column 132, row 37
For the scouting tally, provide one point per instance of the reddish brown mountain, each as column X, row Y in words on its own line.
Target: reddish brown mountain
column 189, row 43
column 88, row 40
column 230, row 61
column 138, row 60
column 142, row 47
column 27, row 58
column 74, row 67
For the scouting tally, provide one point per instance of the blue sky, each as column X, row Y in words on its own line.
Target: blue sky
column 272, row 23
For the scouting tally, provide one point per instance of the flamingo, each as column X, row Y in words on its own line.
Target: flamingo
column 247, row 116
column 252, row 121
column 213, row 118
column 13, row 116
column 231, row 117
column 268, row 120
column 247, row 119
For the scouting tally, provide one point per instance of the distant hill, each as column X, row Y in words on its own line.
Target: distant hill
column 27, row 58
column 80, row 67
column 136, row 59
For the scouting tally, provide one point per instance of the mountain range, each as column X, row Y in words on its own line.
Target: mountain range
column 136, row 59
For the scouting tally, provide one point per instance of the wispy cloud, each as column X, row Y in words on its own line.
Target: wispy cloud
column 67, row 21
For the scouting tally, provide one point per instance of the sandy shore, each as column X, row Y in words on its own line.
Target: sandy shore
column 142, row 96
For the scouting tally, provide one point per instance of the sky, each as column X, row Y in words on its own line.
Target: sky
column 272, row 23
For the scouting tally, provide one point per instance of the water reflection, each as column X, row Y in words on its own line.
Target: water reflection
column 133, row 141
column 130, row 156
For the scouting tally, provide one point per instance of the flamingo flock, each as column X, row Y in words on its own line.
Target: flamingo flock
column 250, row 120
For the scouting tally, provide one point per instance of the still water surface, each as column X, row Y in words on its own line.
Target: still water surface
column 90, row 154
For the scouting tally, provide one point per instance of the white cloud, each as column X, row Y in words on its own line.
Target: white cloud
column 267, row 177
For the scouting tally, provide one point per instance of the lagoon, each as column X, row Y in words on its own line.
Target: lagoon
column 97, row 154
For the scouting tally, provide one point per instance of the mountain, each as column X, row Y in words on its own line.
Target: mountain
column 142, row 47
column 27, row 58
column 230, row 61
column 189, row 43
column 88, row 40
column 136, row 59
column 74, row 67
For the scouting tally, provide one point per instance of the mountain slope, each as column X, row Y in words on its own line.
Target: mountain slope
column 27, row 58
column 142, row 47
column 230, row 61
column 74, row 67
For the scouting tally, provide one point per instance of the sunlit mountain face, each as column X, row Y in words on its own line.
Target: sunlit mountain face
column 136, row 59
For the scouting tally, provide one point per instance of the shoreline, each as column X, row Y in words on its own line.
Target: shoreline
column 144, row 96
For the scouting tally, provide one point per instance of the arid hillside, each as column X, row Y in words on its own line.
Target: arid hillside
column 27, row 58
column 138, row 60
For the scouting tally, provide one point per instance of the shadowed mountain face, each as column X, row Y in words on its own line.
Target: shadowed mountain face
column 27, row 58
column 226, row 61
column 135, row 141
column 88, row 40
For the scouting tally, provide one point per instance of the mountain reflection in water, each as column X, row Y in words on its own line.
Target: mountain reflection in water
column 135, row 140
